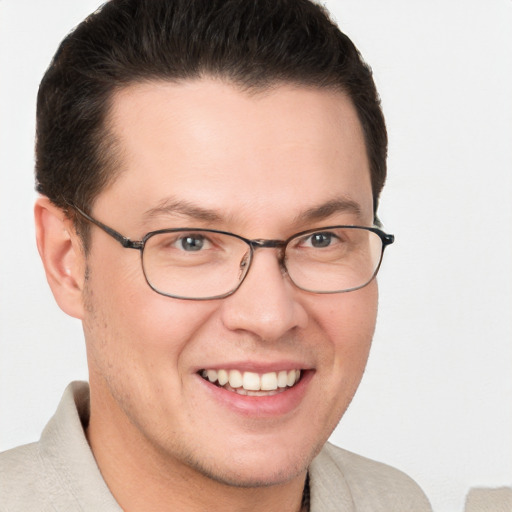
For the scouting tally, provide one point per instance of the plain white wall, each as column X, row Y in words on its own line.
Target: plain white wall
column 436, row 399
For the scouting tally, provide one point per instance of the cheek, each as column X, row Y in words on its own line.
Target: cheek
column 350, row 318
column 348, row 321
column 138, row 345
column 130, row 327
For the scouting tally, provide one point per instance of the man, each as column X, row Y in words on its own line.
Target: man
column 209, row 175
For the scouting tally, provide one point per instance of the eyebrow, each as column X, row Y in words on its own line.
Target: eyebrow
column 325, row 210
column 184, row 208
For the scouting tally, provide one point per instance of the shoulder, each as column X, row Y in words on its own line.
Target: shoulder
column 14, row 463
column 363, row 484
column 58, row 472
column 22, row 471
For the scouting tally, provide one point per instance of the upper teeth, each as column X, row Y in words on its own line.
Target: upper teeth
column 252, row 381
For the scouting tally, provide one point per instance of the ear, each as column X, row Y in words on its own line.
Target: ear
column 62, row 254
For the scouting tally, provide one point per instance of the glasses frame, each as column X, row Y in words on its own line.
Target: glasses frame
column 258, row 243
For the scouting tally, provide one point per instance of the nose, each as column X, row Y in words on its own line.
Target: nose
column 266, row 304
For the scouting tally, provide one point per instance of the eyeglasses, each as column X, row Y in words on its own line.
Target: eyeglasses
column 203, row 264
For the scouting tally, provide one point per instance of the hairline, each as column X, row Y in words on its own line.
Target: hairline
column 111, row 143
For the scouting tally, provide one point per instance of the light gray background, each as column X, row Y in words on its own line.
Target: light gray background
column 436, row 400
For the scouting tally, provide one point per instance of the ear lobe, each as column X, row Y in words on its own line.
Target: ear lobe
column 62, row 254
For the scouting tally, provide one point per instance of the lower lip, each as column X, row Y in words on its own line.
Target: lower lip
column 261, row 406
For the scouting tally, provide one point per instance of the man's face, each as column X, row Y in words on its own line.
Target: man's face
column 203, row 154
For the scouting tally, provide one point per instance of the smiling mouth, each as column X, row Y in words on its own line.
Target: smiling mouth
column 251, row 383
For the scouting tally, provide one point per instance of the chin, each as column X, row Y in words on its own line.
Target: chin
column 256, row 468
column 253, row 477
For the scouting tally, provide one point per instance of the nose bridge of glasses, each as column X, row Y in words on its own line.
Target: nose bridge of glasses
column 262, row 243
column 269, row 244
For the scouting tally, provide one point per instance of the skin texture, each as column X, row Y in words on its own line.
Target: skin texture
column 257, row 163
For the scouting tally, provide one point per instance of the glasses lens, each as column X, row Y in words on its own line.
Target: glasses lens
column 334, row 260
column 203, row 264
column 196, row 264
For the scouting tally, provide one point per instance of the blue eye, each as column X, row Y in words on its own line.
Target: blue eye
column 192, row 242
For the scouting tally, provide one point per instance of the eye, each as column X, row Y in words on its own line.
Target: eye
column 192, row 242
column 320, row 239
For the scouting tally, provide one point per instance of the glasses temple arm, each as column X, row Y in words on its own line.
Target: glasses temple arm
column 123, row 240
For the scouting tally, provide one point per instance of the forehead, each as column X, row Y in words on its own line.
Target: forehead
column 211, row 145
